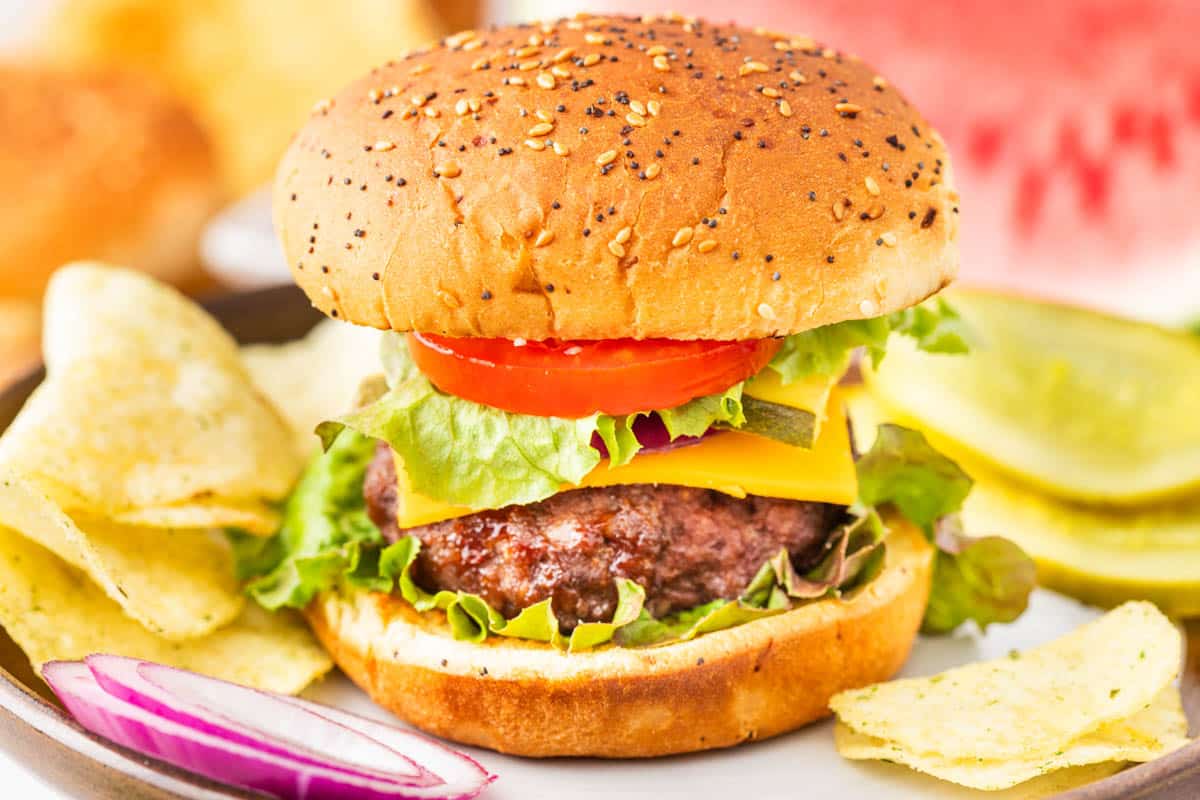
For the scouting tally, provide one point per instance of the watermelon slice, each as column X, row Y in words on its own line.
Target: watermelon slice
column 1074, row 125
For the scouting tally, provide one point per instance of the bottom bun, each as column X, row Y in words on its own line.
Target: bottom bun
column 754, row 681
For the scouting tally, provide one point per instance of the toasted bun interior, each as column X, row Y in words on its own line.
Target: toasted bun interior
column 750, row 682
column 609, row 177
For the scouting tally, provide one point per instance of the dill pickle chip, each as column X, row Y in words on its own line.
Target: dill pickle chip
column 1103, row 556
column 1085, row 406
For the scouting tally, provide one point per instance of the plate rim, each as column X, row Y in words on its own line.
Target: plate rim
column 22, row 709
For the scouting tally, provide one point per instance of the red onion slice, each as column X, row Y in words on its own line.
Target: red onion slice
column 252, row 718
column 652, row 434
column 233, row 762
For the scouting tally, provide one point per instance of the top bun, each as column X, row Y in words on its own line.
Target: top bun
column 607, row 177
column 100, row 165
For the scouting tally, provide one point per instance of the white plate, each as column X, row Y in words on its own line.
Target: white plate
column 802, row 765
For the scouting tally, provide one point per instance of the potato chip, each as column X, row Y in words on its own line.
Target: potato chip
column 177, row 583
column 1032, row 704
column 54, row 612
column 147, row 413
column 1146, row 735
column 315, row 378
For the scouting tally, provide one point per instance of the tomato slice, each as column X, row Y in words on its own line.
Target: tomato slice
column 576, row 379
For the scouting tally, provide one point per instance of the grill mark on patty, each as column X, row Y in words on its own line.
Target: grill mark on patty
column 685, row 546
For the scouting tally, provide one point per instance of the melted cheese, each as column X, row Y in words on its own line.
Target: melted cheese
column 734, row 463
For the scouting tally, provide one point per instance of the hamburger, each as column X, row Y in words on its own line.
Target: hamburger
column 604, row 499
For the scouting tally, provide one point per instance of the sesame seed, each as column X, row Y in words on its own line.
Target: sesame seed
column 459, row 39
column 872, row 186
column 419, row 69
column 765, row 311
column 654, row 107
column 847, row 108
column 374, row 95
column 657, row 50
column 653, row 171
column 751, row 67
column 707, row 246
column 889, row 239
column 839, row 209
column 515, row 81
column 797, row 77
column 546, row 80
column 527, row 51
column 616, row 248
column 535, row 144
column 637, row 107
column 623, row 235
column 544, row 238
column 541, row 129
column 322, row 106
column 451, row 169
column 606, row 158
column 462, row 107
column 682, row 237
column 481, row 64
column 635, row 119
column 384, row 145
column 880, row 82
column 591, row 37
column 432, row 112
column 662, row 64
column 769, row 92
column 591, row 59
column 561, row 149
column 785, row 108
column 563, row 55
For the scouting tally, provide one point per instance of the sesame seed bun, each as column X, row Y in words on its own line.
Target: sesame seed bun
column 609, row 177
column 101, row 165
column 754, row 681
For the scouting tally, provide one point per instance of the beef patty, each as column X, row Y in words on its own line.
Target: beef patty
column 685, row 546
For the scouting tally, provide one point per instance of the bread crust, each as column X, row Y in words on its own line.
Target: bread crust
column 750, row 682
column 745, row 184
column 106, row 167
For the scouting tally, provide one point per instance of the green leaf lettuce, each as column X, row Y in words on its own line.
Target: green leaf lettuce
column 986, row 580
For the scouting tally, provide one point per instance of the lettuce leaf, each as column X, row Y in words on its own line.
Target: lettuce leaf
column 328, row 541
column 854, row 555
column 478, row 456
column 936, row 327
column 903, row 469
column 986, row 580
column 470, row 454
column 324, row 533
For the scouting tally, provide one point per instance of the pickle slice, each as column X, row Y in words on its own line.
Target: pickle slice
column 1086, row 406
column 1101, row 556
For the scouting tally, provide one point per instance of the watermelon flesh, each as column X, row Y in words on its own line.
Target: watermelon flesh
column 1074, row 127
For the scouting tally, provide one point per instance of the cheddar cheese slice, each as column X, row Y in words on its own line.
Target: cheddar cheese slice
column 735, row 463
